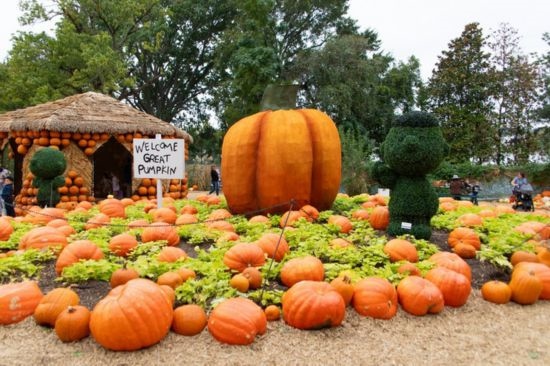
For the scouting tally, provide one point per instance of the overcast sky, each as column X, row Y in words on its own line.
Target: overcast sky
column 422, row 28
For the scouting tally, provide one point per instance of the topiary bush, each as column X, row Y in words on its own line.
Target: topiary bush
column 48, row 165
column 413, row 148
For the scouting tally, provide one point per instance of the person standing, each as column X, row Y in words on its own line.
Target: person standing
column 7, row 196
column 456, row 187
column 3, row 174
column 475, row 191
column 215, row 179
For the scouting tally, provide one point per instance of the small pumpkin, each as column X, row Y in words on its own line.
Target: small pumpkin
column 465, row 251
column 172, row 279
column 272, row 313
column 73, row 323
column 164, row 214
column 171, row 254
column 5, row 229
column 122, row 275
column 239, row 282
column 497, row 292
column 375, row 297
column 189, row 320
column 237, row 321
column 313, row 305
column 112, row 207
column 53, row 303
column 345, row 288
column 254, row 277
column 523, row 256
column 379, row 218
column 342, row 222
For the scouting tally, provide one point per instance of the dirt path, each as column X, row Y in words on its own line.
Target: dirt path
column 479, row 333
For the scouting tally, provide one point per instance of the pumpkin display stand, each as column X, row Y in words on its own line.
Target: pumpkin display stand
column 95, row 133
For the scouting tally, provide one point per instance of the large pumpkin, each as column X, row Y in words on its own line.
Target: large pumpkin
column 237, row 321
column 18, row 301
column 272, row 157
column 313, row 305
column 132, row 316
column 375, row 297
column 76, row 251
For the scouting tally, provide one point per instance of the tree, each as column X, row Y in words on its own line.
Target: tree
column 359, row 86
column 516, row 94
column 542, row 131
column 460, row 95
column 264, row 45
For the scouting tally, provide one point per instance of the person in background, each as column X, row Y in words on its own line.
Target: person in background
column 456, row 187
column 518, row 181
column 475, row 191
column 3, row 174
column 215, row 179
column 7, row 196
column 115, row 182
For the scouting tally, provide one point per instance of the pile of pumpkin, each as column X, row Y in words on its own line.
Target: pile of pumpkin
column 147, row 189
column 309, row 302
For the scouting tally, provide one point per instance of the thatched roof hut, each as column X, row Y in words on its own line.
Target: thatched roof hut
column 94, row 131
column 89, row 112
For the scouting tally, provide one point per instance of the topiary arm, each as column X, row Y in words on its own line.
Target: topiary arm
column 383, row 174
column 58, row 181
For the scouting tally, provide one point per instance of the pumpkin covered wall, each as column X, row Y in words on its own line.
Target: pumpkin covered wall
column 272, row 157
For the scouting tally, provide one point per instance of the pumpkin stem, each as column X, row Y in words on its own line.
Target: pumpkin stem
column 279, row 97
column 71, row 309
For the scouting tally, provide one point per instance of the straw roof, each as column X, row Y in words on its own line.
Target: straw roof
column 89, row 112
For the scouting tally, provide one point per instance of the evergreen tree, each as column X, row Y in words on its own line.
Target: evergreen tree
column 459, row 93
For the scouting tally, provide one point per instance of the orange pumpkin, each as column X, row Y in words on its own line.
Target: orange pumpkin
column 401, row 249
column 132, row 316
column 313, row 305
column 379, row 218
column 189, row 320
column 526, row 287
column 122, row 244
column 497, row 292
column 53, row 303
column 42, row 237
column 274, row 245
column 419, row 296
column 453, row 262
column 164, row 214
column 112, row 208
column 160, row 231
column 243, row 255
column 122, row 275
column 375, row 297
column 464, row 235
column 237, row 321
column 171, row 254
column 454, row 286
column 73, row 323
column 18, row 301
column 342, row 222
column 268, row 157
column 345, row 288
column 301, row 269
column 5, row 229
column 74, row 252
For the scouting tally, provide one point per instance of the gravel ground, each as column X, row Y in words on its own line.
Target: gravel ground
column 479, row 333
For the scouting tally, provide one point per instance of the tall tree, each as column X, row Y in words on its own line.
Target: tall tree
column 542, row 130
column 159, row 55
column 460, row 94
column 359, row 86
column 516, row 94
column 266, row 40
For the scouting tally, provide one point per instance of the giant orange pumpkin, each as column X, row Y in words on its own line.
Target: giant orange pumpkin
column 272, row 157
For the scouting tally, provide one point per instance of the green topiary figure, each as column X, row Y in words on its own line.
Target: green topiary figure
column 414, row 147
column 47, row 165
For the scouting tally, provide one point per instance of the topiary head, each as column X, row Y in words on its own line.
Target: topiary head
column 415, row 145
column 48, row 163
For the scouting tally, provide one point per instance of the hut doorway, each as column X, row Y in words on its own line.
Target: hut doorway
column 112, row 159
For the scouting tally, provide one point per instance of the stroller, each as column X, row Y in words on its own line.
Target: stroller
column 523, row 198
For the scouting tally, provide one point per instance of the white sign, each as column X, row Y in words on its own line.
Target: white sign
column 161, row 159
column 406, row 225
column 384, row 192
